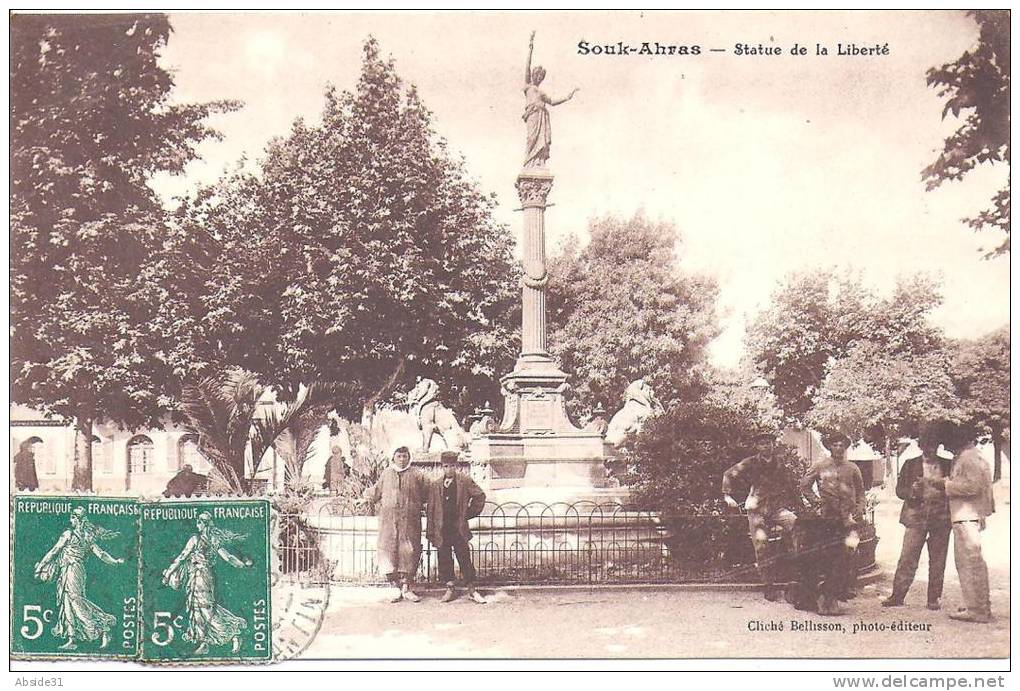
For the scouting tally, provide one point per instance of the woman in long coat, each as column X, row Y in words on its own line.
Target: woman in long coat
column 400, row 493
column 24, row 465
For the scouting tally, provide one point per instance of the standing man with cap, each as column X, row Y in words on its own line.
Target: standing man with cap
column 969, row 488
column 453, row 499
column 841, row 493
column 766, row 504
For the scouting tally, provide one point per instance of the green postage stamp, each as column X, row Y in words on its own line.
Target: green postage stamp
column 74, row 590
column 153, row 581
column 205, row 581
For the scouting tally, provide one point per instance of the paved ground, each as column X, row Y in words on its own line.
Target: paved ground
column 362, row 623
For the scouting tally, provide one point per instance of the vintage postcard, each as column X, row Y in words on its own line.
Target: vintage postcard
column 639, row 338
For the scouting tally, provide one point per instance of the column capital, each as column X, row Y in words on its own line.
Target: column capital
column 533, row 188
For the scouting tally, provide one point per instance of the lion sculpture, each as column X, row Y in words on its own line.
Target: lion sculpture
column 433, row 417
column 639, row 404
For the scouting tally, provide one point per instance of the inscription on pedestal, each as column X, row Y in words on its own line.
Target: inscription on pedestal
column 537, row 415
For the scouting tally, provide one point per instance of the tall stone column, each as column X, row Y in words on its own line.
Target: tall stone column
column 537, row 453
column 533, row 188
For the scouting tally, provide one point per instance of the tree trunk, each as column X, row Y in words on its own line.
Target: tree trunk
column 82, row 479
column 997, row 452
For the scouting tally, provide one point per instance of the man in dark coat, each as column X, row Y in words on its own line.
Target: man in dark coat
column 925, row 517
column 766, row 504
column 454, row 498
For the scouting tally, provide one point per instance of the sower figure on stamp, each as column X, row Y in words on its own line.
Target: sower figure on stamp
column 828, row 541
column 209, row 622
column 536, row 115
column 766, row 504
column 400, row 494
column 78, row 618
column 969, row 488
column 925, row 518
column 454, row 498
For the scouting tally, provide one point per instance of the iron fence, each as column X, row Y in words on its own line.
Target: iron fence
column 580, row 543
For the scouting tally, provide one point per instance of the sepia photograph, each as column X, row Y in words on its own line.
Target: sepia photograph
column 433, row 339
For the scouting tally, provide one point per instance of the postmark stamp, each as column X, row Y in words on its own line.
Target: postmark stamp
column 75, row 577
column 205, row 581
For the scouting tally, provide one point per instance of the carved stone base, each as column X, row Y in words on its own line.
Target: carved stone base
column 537, row 445
column 534, row 399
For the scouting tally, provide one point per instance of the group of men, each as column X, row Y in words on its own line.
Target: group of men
column 820, row 522
column 942, row 497
column 450, row 500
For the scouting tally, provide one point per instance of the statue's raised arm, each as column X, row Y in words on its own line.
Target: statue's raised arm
column 527, row 66
column 536, row 114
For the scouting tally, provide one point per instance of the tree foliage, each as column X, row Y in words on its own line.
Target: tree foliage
column 791, row 341
column 838, row 355
column 360, row 254
column 875, row 394
column 91, row 120
column 621, row 308
column 977, row 83
column 981, row 372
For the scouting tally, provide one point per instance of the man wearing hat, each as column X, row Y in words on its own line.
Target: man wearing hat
column 840, row 488
column 925, row 518
column 453, row 499
column 766, row 506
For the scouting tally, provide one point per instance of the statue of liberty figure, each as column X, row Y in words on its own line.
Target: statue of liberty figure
column 78, row 618
column 209, row 623
column 536, row 115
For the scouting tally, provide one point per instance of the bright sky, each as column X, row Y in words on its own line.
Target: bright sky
column 767, row 165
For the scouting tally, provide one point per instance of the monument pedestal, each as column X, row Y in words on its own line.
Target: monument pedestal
column 537, row 453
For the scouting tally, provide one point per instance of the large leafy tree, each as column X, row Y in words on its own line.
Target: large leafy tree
column 839, row 356
column 791, row 341
column 91, row 121
column 359, row 254
column 981, row 372
column 621, row 307
column 977, row 84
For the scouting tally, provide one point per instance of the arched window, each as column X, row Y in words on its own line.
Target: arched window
column 141, row 454
column 101, row 459
column 188, row 453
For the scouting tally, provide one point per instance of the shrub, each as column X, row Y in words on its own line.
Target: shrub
column 676, row 465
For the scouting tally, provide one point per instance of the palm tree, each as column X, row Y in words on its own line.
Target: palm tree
column 227, row 413
column 305, row 417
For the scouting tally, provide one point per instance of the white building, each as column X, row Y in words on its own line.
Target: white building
column 123, row 462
